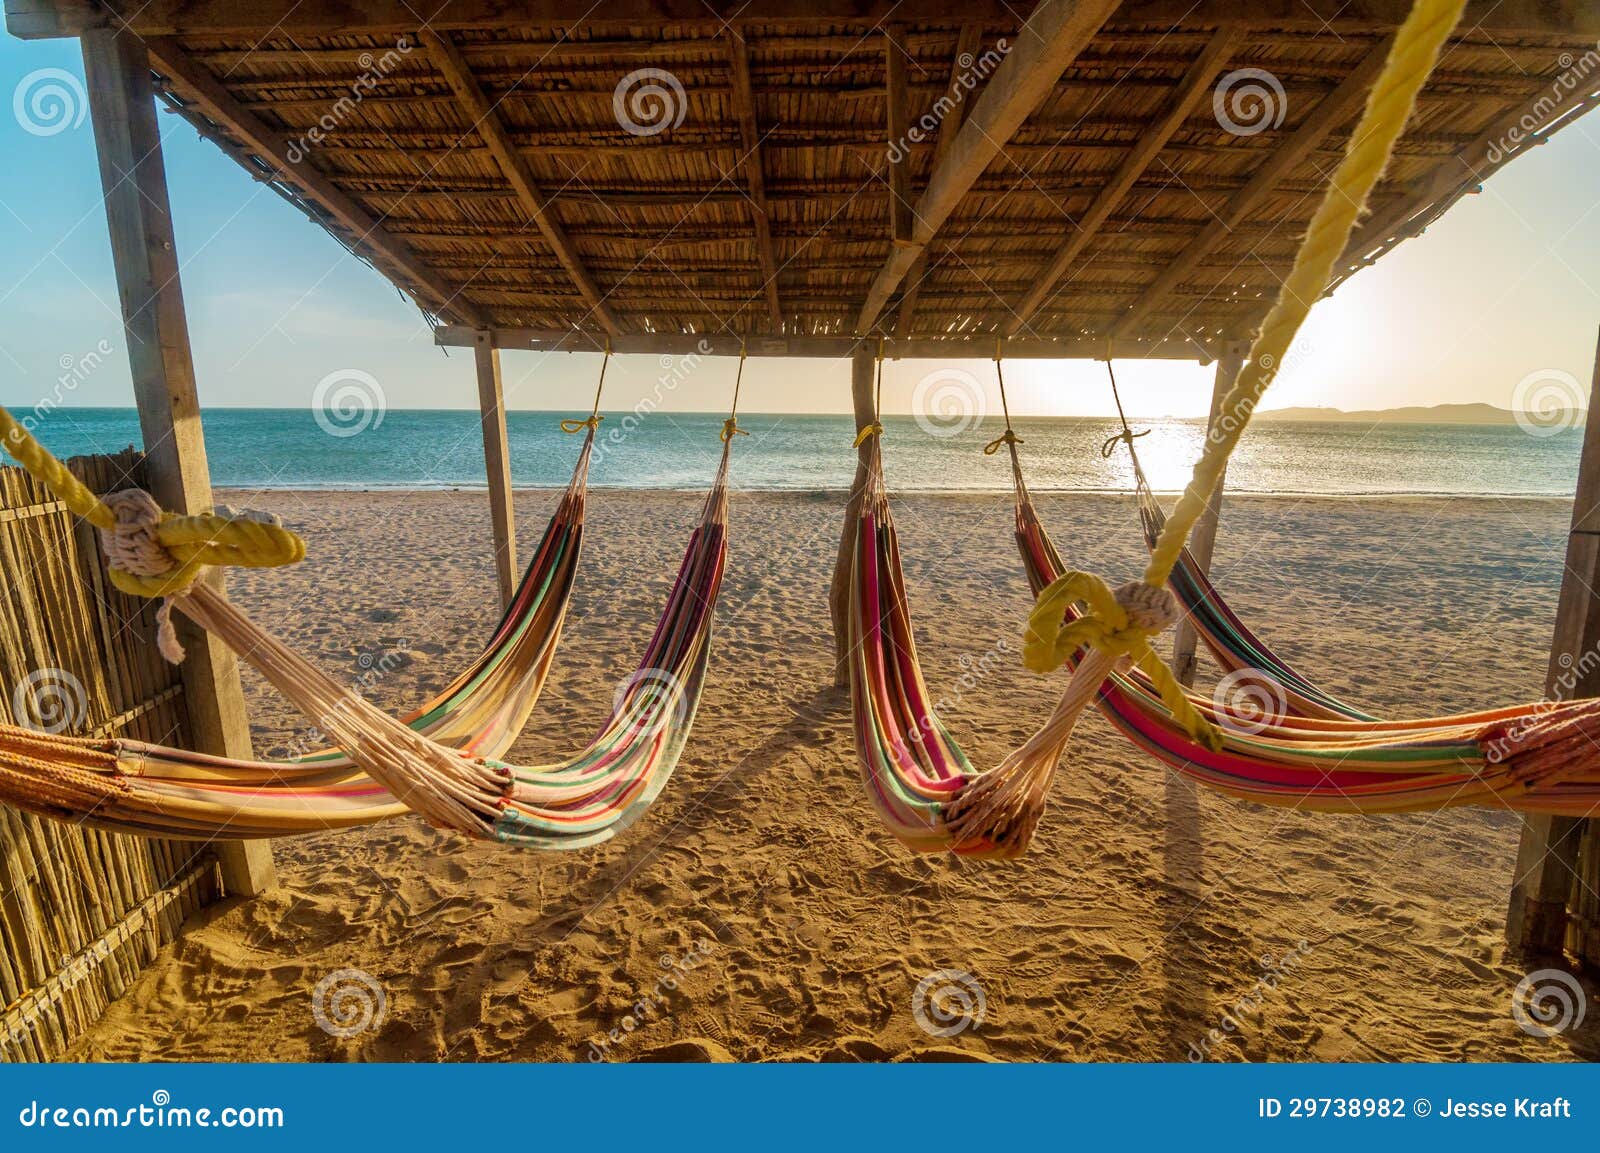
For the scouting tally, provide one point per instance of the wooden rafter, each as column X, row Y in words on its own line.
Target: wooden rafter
column 968, row 42
column 35, row 19
column 273, row 148
column 898, row 124
column 1055, row 32
column 744, row 106
column 1196, row 83
column 491, row 129
column 1332, row 112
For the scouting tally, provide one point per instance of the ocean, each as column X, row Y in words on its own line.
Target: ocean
column 301, row 448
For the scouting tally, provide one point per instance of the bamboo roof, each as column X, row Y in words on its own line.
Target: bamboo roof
column 825, row 170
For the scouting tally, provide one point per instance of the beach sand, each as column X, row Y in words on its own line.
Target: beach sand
column 1143, row 914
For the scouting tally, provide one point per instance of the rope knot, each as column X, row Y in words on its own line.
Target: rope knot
column 1006, row 437
column 1119, row 624
column 731, row 429
column 1150, row 610
column 131, row 545
column 589, row 422
column 1127, row 436
column 871, row 430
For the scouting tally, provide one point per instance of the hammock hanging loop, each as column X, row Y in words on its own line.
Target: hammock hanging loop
column 1005, row 438
column 1119, row 624
column 574, row 425
column 731, row 429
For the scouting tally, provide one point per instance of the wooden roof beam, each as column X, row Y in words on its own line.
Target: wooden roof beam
column 392, row 255
column 968, row 42
column 744, row 107
column 36, row 19
column 898, row 124
column 1055, row 32
column 491, row 129
column 1196, row 84
column 1330, row 113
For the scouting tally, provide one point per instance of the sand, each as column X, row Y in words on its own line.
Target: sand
column 785, row 924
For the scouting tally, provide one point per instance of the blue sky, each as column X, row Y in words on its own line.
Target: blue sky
column 1507, row 285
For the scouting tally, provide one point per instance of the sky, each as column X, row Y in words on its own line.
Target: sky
column 1505, row 288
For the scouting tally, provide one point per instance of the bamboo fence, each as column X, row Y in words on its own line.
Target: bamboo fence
column 81, row 910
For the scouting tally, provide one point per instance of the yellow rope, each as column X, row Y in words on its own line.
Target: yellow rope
column 1050, row 641
column 999, row 442
column 871, row 430
column 192, row 541
column 580, row 425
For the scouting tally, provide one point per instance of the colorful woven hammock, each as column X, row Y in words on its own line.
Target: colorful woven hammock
column 442, row 761
column 1536, row 757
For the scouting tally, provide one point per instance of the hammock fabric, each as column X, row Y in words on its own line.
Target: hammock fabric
column 1536, row 758
column 440, row 761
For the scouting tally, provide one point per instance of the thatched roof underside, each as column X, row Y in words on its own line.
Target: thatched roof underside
column 675, row 230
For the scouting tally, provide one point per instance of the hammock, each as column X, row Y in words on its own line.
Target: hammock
column 443, row 761
column 1536, row 758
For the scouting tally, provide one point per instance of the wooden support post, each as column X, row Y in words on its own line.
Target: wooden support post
column 497, row 463
column 863, row 366
column 134, row 179
column 1204, row 537
column 1547, row 858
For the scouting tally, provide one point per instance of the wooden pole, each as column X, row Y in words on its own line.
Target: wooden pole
column 497, row 461
column 1547, row 858
column 134, row 179
column 1204, row 537
column 862, row 368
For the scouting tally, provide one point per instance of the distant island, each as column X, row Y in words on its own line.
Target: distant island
column 1421, row 414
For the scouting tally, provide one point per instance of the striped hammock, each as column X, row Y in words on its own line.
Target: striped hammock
column 438, row 760
column 1313, row 751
